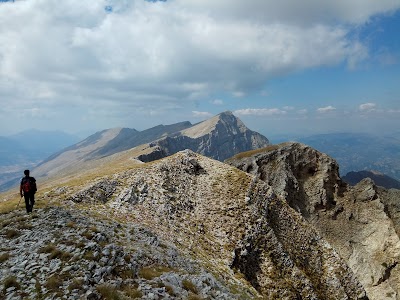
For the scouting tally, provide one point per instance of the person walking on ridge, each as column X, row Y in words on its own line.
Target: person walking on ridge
column 28, row 189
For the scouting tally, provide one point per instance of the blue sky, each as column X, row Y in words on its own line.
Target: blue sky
column 283, row 67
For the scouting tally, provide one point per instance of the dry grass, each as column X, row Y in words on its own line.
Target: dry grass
column 10, row 205
column 55, row 253
column 254, row 152
column 194, row 297
column 25, row 226
column 53, row 283
column 12, row 233
column 71, row 224
column 4, row 257
column 76, row 284
column 10, row 281
column 108, row 292
column 189, row 286
column 132, row 292
column 153, row 272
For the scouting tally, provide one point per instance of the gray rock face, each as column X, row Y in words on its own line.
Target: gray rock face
column 306, row 178
column 219, row 138
column 361, row 222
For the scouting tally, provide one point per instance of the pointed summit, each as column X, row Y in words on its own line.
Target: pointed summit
column 219, row 137
column 223, row 119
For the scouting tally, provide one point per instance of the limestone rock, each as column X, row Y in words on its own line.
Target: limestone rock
column 360, row 222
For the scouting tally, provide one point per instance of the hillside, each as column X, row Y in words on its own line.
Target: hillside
column 187, row 227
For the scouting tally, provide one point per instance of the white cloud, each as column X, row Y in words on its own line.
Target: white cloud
column 217, row 102
column 298, row 12
column 259, row 112
column 367, row 107
column 170, row 44
column 201, row 114
column 326, row 109
column 288, row 107
column 302, row 111
column 157, row 56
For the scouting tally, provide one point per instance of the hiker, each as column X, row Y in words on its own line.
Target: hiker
column 28, row 189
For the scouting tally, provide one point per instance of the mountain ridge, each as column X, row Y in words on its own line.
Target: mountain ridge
column 229, row 222
column 359, row 151
column 380, row 179
column 157, row 142
column 361, row 222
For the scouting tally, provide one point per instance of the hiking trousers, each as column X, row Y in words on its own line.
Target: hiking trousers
column 29, row 201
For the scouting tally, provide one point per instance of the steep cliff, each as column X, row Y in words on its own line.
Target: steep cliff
column 360, row 222
column 219, row 137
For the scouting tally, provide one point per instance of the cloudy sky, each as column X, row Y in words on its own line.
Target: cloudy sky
column 282, row 66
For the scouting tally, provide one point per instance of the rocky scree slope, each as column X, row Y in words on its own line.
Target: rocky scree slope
column 229, row 222
column 59, row 253
column 361, row 222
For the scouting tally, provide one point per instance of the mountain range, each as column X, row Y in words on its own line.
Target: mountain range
column 219, row 137
column 380, row 179
column 160, row 220
column 360, row 151
column 27, row 149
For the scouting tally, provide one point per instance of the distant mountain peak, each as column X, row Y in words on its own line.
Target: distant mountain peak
column 209, row 125
column 219, row 137
column 378, row 178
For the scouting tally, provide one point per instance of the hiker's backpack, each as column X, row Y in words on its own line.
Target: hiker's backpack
column 29, row 185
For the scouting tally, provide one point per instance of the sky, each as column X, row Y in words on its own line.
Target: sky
column 283, row 67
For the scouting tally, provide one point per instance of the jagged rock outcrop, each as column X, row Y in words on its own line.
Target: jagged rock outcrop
column 232, row 223
column 219, row 138
column 361, row 222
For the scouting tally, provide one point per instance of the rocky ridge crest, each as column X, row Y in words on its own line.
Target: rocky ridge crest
column 361, row 222
column 231, row 223
column 60, row 253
